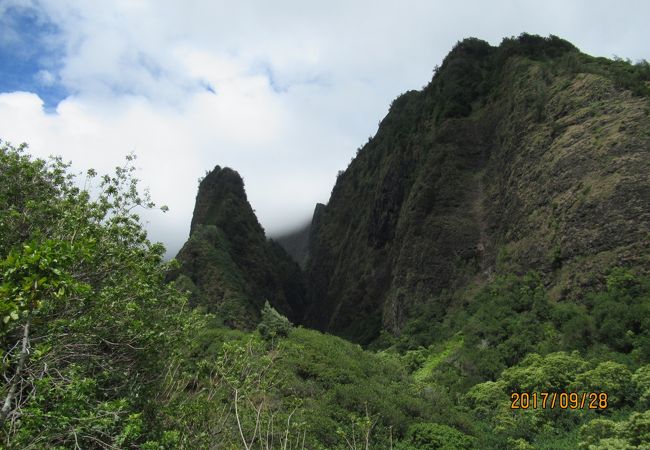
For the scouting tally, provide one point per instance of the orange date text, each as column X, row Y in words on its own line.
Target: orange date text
column 558, row 400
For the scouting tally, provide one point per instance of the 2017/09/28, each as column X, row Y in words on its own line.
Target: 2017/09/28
column 562, row 400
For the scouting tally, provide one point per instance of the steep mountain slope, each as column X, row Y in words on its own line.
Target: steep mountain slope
column 530, row 155
column 228, row 264
column 296, row 243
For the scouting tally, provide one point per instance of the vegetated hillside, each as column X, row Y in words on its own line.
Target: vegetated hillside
column 228, row 264
column 526, row 156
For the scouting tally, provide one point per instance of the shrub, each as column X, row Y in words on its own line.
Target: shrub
column 610, row 377
column 641, row 380
column 273, row 323
column 436, row 436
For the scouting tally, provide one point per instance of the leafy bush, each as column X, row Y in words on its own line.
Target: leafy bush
column 641, row 380
column 602, row 434
column 86, row 313
column 435, row 436
column 486, row 399
column 622, row 313
column 273, row 324
column 551, row 373
column 613, row 378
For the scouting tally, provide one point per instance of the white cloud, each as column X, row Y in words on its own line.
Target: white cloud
column 298, row 86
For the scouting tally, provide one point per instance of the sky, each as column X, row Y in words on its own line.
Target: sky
column 284, row 92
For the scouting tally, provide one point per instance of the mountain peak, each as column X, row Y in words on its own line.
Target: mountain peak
column 228, row 264
column 221, row 195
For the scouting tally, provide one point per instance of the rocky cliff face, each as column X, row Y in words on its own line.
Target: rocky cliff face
column 228, row 264
column 530, row 155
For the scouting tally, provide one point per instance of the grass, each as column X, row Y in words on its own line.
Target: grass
column 436, row 358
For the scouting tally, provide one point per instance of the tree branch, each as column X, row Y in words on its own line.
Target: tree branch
column 6, row 407
column 241, row 432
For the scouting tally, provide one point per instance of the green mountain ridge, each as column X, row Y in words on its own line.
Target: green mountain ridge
column 526, row 156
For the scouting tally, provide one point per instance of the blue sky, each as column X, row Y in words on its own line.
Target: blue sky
column 284, row 92
column 30, row 55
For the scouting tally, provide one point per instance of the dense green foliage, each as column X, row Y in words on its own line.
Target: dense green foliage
column 512, row 334
column 431, row 436
column 453, row 393
column 88, row 323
